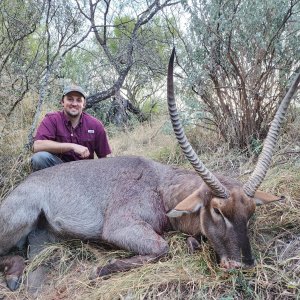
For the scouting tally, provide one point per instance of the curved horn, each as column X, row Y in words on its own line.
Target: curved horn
column 264, row 160
column 216, row 186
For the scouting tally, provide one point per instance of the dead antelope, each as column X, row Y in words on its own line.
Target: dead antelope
column 131, row 201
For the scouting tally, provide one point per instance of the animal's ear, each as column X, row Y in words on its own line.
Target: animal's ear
column 189, row 205
column 261, row 198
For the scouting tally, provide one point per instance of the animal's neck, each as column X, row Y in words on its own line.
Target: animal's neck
column 175, row 187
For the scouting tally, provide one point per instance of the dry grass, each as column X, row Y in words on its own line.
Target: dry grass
column 154, row 140
column 274, row 232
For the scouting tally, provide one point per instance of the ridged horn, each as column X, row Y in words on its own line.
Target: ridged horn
column 216, row 186
column 265, row 157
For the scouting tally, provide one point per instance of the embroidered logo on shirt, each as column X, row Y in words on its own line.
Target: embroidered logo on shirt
column 91, row 131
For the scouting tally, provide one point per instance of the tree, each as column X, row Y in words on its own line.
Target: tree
column 146, row 79
column 119, row 37
column 18, row 22
column 242, row 54
column 38, row 37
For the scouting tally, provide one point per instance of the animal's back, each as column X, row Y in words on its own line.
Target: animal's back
column 78, row 197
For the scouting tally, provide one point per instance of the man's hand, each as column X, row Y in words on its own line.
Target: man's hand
column 81, row 150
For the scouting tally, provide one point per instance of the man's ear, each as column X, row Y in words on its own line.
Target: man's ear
column 189, row 205
column 262, row 198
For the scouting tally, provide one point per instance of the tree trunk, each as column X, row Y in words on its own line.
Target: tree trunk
column 118, row 113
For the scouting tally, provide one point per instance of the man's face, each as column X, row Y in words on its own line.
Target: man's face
column 73, row 104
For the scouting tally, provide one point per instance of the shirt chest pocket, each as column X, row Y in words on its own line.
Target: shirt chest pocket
column 88, row 138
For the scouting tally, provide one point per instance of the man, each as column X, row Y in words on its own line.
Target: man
column 70, row 134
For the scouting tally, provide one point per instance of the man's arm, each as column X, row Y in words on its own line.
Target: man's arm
column 59, row 148
column 102, row 147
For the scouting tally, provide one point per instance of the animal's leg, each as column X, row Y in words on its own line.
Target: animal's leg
column 37, row 241
column 18, row 217
column 192, row 244
column 13, row 267
column 138, row 237
column 122, row 265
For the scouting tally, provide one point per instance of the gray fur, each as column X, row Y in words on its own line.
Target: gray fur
column 91, row 199
column 121, row 200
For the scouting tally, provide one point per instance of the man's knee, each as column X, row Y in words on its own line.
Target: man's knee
column 43, row 159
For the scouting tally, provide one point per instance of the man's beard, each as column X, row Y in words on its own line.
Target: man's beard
column 73, row 114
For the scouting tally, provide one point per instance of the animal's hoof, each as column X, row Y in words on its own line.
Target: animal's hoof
column 13, row 270
column 94, row 274
column 192, row 244
column 99, row 272
column 229, row 264
column 103, row 271
column 13, row 282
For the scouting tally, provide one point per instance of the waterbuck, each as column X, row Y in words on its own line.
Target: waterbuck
column 130, row 202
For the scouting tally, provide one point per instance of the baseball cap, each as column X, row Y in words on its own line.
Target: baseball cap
column 74, row 88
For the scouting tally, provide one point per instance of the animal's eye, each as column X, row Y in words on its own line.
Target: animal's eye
column 217, row 211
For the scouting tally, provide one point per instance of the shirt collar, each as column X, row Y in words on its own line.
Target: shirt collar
column 68, row 122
